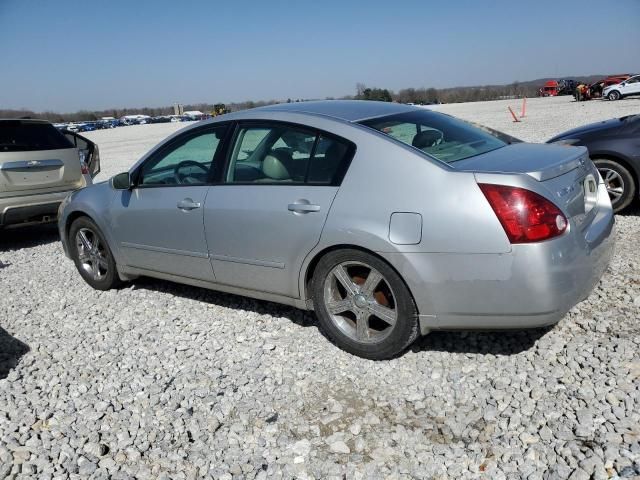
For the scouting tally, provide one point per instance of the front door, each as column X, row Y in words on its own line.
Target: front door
column 268, row 213
column 159, row 223
column 632, row 86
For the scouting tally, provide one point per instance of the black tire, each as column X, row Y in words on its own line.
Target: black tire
column 614, row 95
column 621, row 178
column 393, row 340
column 108, row 275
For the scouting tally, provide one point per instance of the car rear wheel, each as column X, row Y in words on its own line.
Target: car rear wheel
column 363, row 305
column 615, row 95
column 92, row 255
column 619, row 182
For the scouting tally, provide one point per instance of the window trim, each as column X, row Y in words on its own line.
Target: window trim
column 256, row 123
column 219, row 155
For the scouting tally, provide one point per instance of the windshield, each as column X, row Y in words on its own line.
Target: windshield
column 438, row 135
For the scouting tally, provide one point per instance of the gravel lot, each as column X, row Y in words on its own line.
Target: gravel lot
column 159, row 380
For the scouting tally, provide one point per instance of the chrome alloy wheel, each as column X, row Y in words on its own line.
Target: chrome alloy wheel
column 91, row 254
column 360, row 302
column 613, row 182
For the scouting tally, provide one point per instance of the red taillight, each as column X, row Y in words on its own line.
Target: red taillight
column 524, row 215
column 84, row 168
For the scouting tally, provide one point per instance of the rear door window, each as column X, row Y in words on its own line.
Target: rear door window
column 27, row 136
column 287, row 155
column 330, row 161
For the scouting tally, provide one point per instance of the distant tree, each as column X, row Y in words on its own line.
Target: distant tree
column 378, row 94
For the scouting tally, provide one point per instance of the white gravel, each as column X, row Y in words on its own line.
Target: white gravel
column 160, row 380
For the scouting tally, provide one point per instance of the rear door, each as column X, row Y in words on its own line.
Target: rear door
column 36, row 156
column 269, row 211
column 87, row 150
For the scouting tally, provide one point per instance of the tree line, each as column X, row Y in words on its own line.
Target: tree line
column 363, row 92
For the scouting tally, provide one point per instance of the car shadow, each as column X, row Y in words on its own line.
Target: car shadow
column 506, row 342
column 228, row 300
column 11, row 350
column 632, row 210
column 28, row 237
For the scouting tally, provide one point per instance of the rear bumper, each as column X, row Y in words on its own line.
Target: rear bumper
column 534, row 285
column 30, row 209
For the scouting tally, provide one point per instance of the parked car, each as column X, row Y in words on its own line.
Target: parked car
column 387, row 220
column 39, row 167
column 161, row 119
column 596, row 88
column 628, row 87
column 614, row 148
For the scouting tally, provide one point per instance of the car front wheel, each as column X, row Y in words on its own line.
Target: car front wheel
column 92, row 255
column 363, row 305
column 615, row 95
column 619, row 182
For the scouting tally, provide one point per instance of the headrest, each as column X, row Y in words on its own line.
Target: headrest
column 274, row 167
column 425, row 139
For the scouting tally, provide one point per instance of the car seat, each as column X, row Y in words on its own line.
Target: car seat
column 274, row 166
column 324, row 169
column 427, row 138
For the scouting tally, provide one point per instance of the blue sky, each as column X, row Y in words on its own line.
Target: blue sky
column 67, row 55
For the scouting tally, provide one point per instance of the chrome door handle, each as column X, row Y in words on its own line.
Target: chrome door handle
column 188, row 204
column 303, row 207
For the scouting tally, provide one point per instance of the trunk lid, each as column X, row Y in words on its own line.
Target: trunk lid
column 542, row 162
column 46, row 170
column 566, row 173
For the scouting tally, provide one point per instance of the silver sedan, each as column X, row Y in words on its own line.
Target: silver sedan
column 387, row 220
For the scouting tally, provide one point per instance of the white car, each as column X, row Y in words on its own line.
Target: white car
column 630, row 86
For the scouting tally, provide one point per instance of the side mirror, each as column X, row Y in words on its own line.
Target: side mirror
column 122, row 181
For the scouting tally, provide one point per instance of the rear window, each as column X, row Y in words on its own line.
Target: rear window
column 440, row 136
column 24, row 136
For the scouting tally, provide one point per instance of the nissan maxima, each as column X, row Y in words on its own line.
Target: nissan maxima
column 387, row 220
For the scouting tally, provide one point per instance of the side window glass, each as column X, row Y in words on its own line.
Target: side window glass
column 328, row 161
column 189, row 160
column 249, row 140
column 402, row 131
column 278, row 154
column 71, row 138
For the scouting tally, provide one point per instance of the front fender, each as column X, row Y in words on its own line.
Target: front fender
column 93, row 202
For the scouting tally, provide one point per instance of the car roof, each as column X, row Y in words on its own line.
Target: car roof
column 347, row 110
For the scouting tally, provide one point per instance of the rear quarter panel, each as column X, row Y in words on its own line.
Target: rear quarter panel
column 385, row 177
